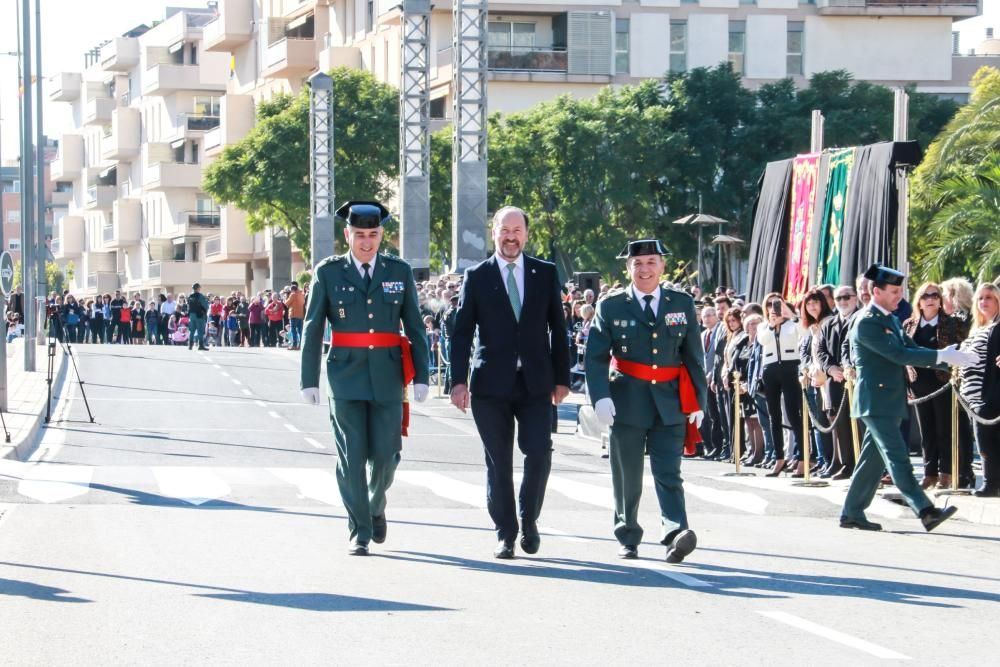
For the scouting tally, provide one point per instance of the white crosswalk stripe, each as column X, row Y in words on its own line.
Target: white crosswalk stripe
column 193, row 485
column 315, row 484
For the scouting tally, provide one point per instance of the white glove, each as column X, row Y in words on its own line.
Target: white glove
column 605, row 410
column 696, row 418
column 310, row 395
column 953, row 356
column 419, row 393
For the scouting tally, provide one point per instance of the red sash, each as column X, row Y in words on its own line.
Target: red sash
column 686, row 391
column 373, row 340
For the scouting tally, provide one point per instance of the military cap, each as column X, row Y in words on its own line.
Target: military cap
column 643, row 247
column 363, row 214
column 883, row 275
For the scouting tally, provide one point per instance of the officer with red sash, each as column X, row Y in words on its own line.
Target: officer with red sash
column 646, row 379
column 365, row 296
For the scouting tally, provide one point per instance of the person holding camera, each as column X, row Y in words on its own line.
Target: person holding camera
column 197, row 304
column 780, row 341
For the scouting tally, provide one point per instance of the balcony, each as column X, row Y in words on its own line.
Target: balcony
column 953, row 8
column 168, row 78
column 290, row 57
column 200, row 219
column 62, row 198
column 233, row 243
column 100, row 197
column 167, row 175
column 120, row 54
column 122, row 143
column 69, row 164
column 527, row 59
column 123, row 228
column 103, row 282
column 169, row 272
column 65, row 87
column 231, row 28
column 68, row 241
column 237, row 119
column 339, row 56
column 98, row 111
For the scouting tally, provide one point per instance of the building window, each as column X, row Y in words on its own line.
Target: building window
column 621, row 46
column 737, row 45
column 437, row 108
column 511, row 36
column 796, row 42
column 14, row 244
column 678, row 46
column 13, row 216
column 206, row 105
column 370, row 16
column 954, row 43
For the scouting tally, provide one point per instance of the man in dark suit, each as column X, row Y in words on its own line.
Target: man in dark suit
column 829, row 351
column 520, row 367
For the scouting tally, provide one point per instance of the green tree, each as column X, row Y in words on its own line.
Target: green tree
column 267, row 172
column 955, row 195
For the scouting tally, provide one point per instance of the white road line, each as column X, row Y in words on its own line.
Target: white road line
column 745, row 502
column 832, row 494
column 49, row 483
column 445, row 487
column 217, row 366
column 834, row 635
column 225, row 374
column 191, row 484
column 561, row 534
column 292, row 428
column 315, row 443
column 247, row 392
column 591, row 494
column 261, row 404
column 316, row 484
column 237, row 382
column 679, row 577
column 274, row 414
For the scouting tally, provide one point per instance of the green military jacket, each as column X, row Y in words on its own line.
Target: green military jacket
column 337, row 296
column 881, row 352
column 620, row 328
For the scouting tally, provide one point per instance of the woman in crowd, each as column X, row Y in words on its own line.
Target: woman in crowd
column 274, row 312
column 243, row 319
column 71, row 315
column 216, row 311
column 981, row 383
column 930, row 326
column 105, row 307
column 957, row 302
column 779, row 341
column 814, row 310
column 752, row 400
column 152, row 320
column 736, row 340
column 255, row 317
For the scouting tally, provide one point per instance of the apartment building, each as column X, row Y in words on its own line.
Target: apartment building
column 10, row 187
column 137, row 219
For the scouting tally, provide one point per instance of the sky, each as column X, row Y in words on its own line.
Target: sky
column 71, row 27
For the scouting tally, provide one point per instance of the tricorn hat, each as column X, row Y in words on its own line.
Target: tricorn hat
column 883, row 275
column 642, row 247
column 364, row 214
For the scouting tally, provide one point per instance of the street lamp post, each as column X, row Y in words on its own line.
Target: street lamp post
column 37, row 244
column 27, row 173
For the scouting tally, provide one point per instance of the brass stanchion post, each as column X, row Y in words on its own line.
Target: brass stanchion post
column 954, row 490
column 806, row 462
column 439, row 383
column 737, row 430
column 855, row 438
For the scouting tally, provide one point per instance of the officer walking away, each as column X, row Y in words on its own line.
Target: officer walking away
column 881, row 351
column 646, row 378
column 197, row 316
column 364, row 296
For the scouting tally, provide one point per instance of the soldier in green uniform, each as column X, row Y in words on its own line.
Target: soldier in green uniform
column 881, row 352
column 365, row 295
column 646, row 379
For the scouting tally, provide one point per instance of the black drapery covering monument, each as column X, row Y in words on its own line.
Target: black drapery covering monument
column 769, row 240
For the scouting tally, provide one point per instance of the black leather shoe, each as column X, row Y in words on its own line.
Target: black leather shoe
column 530, row 539
column 504, row 550
column 357, row 549
column 683, row 543
column 628, row 551
column 987, row 492
column 843, row 474
column 860, row 524
column 932, row 517
column 379, row 529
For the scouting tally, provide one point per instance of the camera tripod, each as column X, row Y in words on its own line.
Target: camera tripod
column 68, row 349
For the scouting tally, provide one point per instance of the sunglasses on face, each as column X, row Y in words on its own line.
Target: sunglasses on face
column 844, row 297
column 930, row 295
column 775, row 304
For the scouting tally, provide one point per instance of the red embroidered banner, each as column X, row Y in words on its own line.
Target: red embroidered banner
column 805, row 172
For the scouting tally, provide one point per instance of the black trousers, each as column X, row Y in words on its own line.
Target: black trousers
column 718, row 439
column 988, row 438
column 495, row 418
column 781, row 385
column 934, row 417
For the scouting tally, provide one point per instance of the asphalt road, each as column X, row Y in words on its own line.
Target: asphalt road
column 197, row 521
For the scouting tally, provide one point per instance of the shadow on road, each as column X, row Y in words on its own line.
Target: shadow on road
column 168, row 438
column 27, row 589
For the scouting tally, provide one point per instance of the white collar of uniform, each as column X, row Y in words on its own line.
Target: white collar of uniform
column 357, row 263
column 880, row 308
column 502, row 261
column 638, row 294
column 930, row 323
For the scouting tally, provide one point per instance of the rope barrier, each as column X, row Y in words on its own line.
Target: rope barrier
column 972, row 413
column 929, row 397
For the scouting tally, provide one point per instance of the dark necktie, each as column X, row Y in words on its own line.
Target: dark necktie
column 650, row 315
column 368, row 276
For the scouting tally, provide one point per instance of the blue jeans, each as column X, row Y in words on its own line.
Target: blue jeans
column 760, row 403
column 295, row 328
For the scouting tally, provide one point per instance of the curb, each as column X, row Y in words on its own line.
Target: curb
column 23, row 448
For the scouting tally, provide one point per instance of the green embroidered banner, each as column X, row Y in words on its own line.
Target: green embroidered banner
column 832, row 226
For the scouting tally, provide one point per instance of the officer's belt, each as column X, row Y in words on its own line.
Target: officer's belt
column 373, row 340
column 685, row 390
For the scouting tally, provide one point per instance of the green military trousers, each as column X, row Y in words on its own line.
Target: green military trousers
column 882, row 447
column 369, row 441
column 627, row 446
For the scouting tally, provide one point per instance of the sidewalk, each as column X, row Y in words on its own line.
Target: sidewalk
column 26, row 396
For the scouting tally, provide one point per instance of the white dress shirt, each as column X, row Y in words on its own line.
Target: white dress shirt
column 929, row 323
column 357, row 265
column 654, row 304
column 502, row 263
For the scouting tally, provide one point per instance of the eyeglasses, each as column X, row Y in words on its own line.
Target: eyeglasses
column 930, row 295
column 775, row 304
column 844, row 297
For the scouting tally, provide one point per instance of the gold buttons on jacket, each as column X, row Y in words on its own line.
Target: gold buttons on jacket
column 654, row 350
column 653, row 381
column 654, row 334
column 371, row 315
column 371, row 347
column 371, row 331
column 654, row 367
column 369, row 300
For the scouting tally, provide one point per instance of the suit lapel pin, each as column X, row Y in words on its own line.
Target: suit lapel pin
column 341, row 313
column 532, row 270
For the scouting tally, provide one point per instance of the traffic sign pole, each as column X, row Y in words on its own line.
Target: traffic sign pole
column 6, row 287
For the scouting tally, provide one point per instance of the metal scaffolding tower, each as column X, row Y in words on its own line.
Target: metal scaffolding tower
column 321, row 191
column 468, row 205
column 414, row 138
